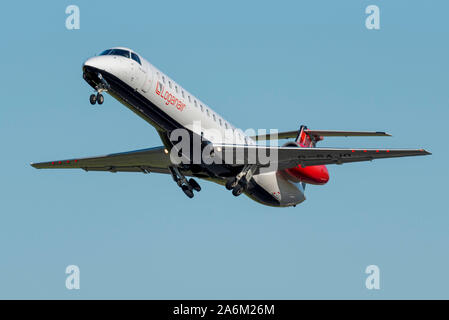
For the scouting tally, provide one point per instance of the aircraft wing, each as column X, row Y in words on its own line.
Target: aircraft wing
column 289, row 157
column 145, row 160
column 266, row 157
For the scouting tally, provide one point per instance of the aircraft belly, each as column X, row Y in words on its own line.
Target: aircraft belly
column 280, row 188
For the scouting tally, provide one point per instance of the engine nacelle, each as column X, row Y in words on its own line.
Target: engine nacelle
column 311, row 174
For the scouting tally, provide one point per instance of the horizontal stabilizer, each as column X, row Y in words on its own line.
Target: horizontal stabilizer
column 320, row 133
column 334, row 133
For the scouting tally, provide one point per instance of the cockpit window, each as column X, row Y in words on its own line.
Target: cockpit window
column 115, row 52
column 105, row 52
column 119, row 52
column 136, row 58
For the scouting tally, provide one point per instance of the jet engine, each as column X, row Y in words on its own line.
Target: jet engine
column 310, row 174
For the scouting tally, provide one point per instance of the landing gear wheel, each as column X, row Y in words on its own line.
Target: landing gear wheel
column 93, row 99
column 194, row 185
column 187, row 191
column 100, row 98
column 230, row 184
column 238, row 190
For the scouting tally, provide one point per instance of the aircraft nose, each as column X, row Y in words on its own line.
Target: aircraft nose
column 105, row 64
column 94, row 69
column 99, row 63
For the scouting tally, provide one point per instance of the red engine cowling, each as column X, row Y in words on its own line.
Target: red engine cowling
column 311, row 174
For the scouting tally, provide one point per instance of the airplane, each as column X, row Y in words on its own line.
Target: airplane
column 168, row 107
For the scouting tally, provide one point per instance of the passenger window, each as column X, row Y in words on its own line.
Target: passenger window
column 213, row 115
column 135, row 57
column 163, row 79
column 226, row 125
column 169, row 83
column 182, row 91
column 190, row 100
column 176, row 89
column 202, row 110
column 160, row 86
column 219, row 120
column 207, row 112
column 195, row 104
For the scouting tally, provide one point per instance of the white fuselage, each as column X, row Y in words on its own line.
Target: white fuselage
column 191, row 113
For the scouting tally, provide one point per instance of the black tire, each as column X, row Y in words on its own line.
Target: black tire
column 93, row 99
column 194, row 185
column 230, row 184
column 187, row 191
column 238, row 190
column 100, row 98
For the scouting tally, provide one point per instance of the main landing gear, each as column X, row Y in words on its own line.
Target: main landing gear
column 239, row 183
column 103, row 86
column 187, row 186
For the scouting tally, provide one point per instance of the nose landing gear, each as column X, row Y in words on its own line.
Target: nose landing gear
column 101, row 87
column 100, row 98
column 96, row 98
column 93, row 99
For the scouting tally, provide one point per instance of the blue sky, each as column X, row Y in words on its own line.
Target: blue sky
column 260, row 65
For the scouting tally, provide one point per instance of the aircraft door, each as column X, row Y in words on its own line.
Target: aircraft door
column 137, row 71
column 146, row 86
